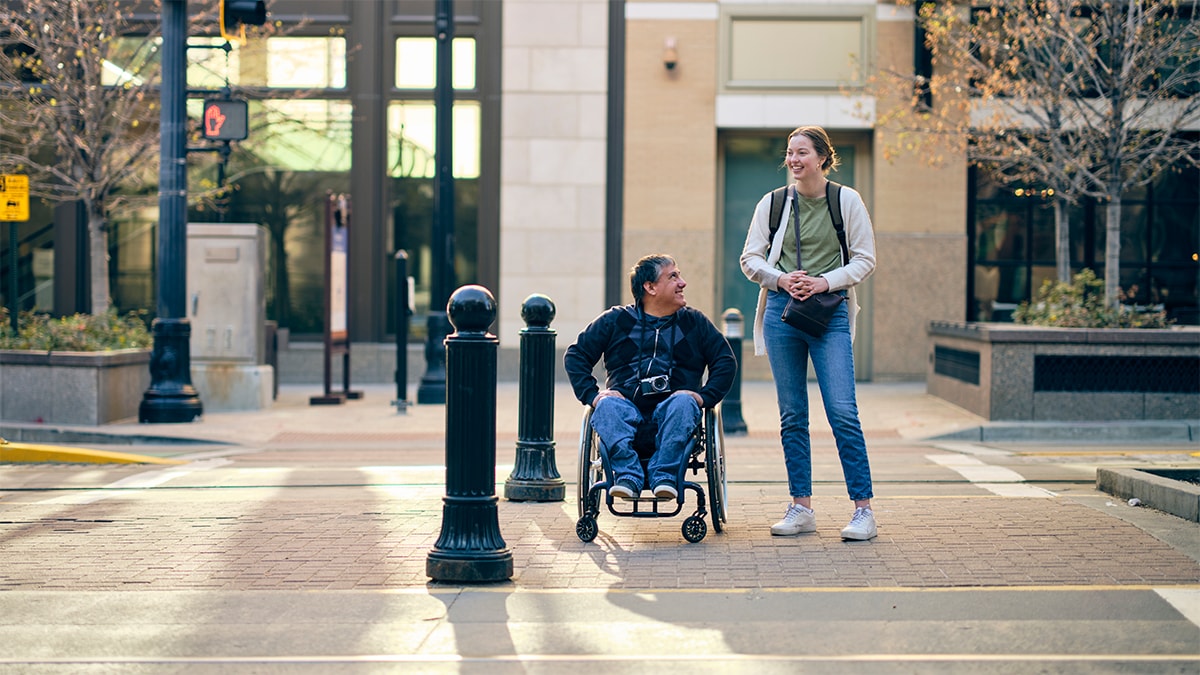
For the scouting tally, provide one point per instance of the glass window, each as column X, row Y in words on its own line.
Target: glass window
column 283, row 62
column 1133, row 233
column 416, row 63
column 412, row 134
column 208, row 65
column 1043, row 232
column 412, row 165
column 129, row 60
column 306, row 62
column 1160, row 235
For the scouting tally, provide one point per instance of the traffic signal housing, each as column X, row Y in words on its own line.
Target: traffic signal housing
column 244, row 12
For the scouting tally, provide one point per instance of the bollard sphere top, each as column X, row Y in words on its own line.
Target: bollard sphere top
column 537, row 311
column 471, row 309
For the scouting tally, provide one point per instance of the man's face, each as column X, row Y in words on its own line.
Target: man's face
column 665, row 296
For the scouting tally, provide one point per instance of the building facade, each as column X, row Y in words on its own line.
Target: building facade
column 588, row 133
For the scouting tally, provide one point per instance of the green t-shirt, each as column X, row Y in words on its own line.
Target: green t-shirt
column 821, row 251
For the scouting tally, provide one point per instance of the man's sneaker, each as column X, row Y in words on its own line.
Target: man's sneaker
column 625, row 489
column 664, row 491
column 797, row 519
column 862, row 525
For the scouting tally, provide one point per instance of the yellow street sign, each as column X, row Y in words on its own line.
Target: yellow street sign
column 14, row 197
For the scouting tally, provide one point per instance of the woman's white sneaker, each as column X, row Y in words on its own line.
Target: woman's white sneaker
column 862, row 525
column 797, row 519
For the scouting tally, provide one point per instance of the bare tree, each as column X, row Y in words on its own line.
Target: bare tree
column 79, row 107
column 78, row 113
column 1088, row 98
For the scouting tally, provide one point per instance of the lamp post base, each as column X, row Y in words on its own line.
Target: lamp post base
column 171, row 397
column 432, row 389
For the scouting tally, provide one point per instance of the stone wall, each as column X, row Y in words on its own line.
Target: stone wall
column 87, row 388
column 1014, row 372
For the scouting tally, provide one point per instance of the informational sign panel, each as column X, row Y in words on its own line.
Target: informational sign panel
column 338, row 271
column 14, row 197
column 337, row 300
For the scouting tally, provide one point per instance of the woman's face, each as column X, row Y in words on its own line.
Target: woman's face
column 802, row 159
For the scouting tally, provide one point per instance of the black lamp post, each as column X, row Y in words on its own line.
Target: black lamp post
column 433, row 384
column 171, row 396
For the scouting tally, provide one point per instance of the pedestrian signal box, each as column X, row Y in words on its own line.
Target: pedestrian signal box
column 225, row 120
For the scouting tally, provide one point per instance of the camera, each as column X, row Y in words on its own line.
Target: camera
column 658, row 384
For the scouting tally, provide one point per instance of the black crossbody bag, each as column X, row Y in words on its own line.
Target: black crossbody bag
column 812, row 315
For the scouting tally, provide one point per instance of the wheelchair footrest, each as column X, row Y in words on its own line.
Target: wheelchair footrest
column 652, row 507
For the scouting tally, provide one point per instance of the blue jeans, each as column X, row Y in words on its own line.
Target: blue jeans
column 616, row 420
column 789, row 350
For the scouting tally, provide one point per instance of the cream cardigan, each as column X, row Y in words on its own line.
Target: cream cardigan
column 759, row 267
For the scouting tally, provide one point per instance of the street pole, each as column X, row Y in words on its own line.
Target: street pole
column 171, row 396
column 433, row 384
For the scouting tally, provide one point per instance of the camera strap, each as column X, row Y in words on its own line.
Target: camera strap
column 643, row 339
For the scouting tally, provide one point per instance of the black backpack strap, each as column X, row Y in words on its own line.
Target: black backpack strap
column 778, row 199
column 833, row 197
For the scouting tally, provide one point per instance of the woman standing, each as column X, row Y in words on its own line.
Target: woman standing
column 774, row 266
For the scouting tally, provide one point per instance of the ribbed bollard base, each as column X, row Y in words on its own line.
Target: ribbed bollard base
column 470, row 567
column 535, row 490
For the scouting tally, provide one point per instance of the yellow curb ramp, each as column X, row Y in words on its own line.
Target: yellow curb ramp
column 11, row 452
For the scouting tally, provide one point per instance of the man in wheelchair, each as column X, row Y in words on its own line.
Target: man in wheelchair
column 655, row 352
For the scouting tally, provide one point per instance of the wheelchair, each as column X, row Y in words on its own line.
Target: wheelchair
column 706, row 451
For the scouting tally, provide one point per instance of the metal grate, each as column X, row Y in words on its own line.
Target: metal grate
column 1159, row 374
column 956, row 363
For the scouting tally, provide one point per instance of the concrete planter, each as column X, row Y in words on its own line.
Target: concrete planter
column 85, row 388
column 1004, row 371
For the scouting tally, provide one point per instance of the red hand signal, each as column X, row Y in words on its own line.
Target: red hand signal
column 213, row 119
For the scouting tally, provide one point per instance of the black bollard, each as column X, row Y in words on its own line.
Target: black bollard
column 535, row 478
column 403, row 311
column 470, row 548
column 731, row 406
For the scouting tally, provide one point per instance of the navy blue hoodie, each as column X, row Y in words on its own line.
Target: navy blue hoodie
column 625, row 339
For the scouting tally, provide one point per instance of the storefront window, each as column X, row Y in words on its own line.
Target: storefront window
column 1013, row 235
column 416, row 63
column 412, row 168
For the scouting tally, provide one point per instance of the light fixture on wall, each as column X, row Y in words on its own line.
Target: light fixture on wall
column 670, row 57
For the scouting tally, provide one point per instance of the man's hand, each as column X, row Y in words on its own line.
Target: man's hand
column 606, row 392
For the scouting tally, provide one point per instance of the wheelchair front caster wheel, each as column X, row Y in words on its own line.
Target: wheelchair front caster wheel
column 694, row 529
column 587, row 530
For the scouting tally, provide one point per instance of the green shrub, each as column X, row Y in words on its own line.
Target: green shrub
column 77, row 333
column 1080, row 304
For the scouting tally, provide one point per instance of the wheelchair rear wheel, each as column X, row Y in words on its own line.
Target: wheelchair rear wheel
column 591, row 469
column 714, row 467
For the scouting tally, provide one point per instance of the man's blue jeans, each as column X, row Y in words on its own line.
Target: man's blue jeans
column 788, row 350
column 616, row 420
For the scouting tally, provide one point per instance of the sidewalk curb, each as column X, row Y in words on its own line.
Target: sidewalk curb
column 41, row 433
column 11, row 452
column 1092, row 432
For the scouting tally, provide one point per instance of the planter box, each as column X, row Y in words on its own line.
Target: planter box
column 1004, row 371
column 85, row 388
